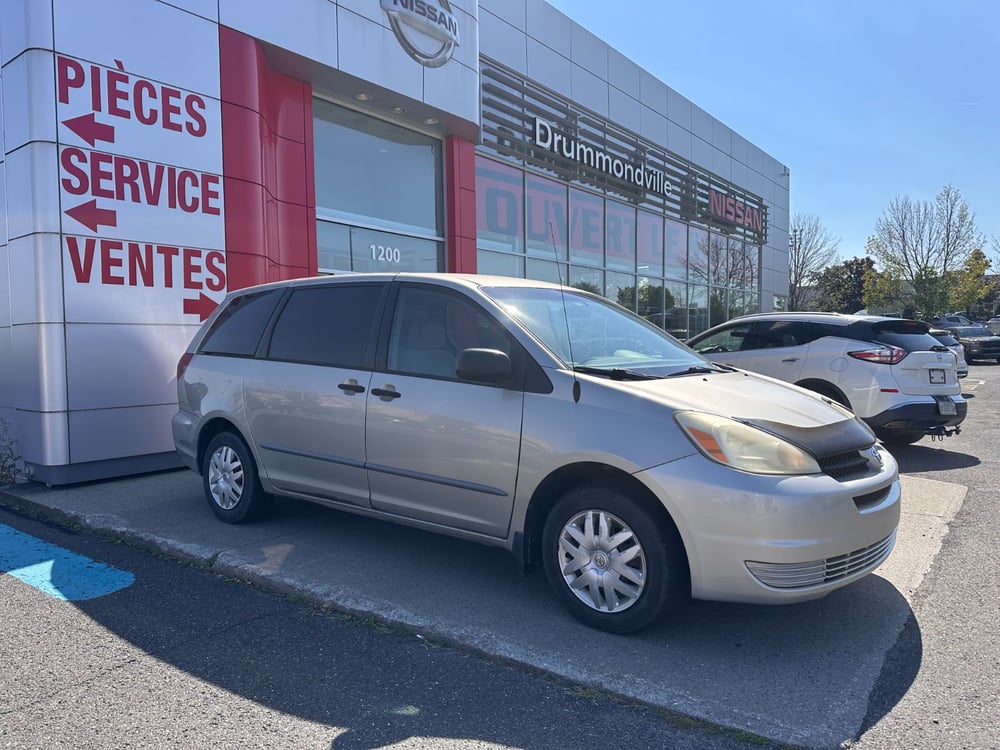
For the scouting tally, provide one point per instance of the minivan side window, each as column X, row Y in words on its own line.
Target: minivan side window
column 429, row 329
column 237, row 330
column 729, row 340
column 328, row 325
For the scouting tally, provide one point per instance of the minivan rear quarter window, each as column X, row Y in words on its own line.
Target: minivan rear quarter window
column 237, row 330
column 327, row 325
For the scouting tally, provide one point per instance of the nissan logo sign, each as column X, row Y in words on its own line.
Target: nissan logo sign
column 426, row 29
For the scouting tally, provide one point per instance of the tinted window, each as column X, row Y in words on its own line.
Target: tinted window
column 328, row 325
column 727, row 340
column 945, row 338
column 238, row 328
column 973, row 332
column 430, row 328
column 781, row 333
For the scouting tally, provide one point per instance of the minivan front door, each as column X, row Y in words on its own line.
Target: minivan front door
column 440, row 449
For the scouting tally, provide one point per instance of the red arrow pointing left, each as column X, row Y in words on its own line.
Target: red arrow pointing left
column 93, row 217
column 202, row 306
column 90, row 129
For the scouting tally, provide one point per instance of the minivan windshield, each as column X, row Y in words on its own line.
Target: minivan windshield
column 591, row 334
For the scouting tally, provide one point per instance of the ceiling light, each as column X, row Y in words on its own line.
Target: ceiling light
column 363, row 97
column 398, row 110
column 430, row 121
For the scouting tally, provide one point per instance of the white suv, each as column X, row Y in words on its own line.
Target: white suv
column 890, row 371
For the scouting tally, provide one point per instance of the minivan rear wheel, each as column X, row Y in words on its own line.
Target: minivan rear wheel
column 232, row 485
column 610, row 563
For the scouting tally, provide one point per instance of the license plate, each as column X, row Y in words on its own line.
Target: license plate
column 946, row 406
column 937, row 376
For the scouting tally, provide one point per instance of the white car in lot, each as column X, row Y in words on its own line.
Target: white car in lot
column 890, row 371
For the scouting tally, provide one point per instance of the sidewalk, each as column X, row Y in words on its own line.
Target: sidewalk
column 799, row 675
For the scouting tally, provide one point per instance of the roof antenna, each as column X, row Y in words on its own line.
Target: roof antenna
column 569, row 337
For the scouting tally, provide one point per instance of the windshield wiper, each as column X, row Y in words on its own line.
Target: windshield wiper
column 615, row 373
column 702, row 370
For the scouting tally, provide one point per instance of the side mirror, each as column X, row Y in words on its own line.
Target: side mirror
column 484, row 366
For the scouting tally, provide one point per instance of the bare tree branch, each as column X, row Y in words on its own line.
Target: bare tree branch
column 811, row 249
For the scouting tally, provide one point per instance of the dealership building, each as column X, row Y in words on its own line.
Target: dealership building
column 156, row 154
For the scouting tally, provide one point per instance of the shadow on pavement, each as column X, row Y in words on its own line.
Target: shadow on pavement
column 921, row 457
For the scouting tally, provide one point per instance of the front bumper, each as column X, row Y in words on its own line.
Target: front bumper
column 923, row 416
column 777, row 540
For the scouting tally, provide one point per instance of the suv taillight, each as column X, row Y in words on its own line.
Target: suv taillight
column 883, row 355
column 183, row 363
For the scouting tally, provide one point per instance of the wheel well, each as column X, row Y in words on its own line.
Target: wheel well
column 210, row 429
column 829, row 390
column 566, row 478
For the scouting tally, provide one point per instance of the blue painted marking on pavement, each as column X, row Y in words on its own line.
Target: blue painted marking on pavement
column 57, row 571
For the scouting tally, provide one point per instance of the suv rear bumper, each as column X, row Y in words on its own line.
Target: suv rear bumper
column 919, row 416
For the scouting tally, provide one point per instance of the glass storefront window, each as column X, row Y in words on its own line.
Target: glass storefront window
column 499, row 264
column 697, row 263
column 619, row 247
column 621, row 289
column 697, row 307
column 590, row 279
column 675, row 314
column 676, row 250
column 718, row 261
column 354, row 249
column 718, row 306
column 546, row 218
column 499, row 207
column 374, row 172
column 649, row 244
column 546, row 270
column 586, row 237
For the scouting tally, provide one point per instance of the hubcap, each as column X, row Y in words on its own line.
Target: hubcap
column 225, row 477
column 602, row 561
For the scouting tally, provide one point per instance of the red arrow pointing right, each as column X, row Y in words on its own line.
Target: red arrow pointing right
column 93, row 217
column 88, row 128
column 202, row 306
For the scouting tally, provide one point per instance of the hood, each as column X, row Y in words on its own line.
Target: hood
column 794, row 414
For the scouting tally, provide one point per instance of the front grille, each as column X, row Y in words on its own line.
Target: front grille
column 817, row 572
column 844, row 464
column 871, row 498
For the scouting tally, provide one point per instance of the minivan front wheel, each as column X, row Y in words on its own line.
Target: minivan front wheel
column 610, row 563
column 229, row 476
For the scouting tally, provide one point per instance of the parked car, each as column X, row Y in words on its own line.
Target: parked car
column 948, row 339
column 890, row 371
column 541, row 419
column 948, row 321
column 979, row 342
column 994, row 324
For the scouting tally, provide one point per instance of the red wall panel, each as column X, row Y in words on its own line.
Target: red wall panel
column 267, row 162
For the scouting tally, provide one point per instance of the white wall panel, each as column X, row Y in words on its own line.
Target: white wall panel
column 34, row 206
column 511, row 11
column 116, row 433
column 589, row 51
column 623, row 74
column 548, row 67
column 26, row 24
column 653, row 93
column 548, row 26
column 448, row 88
column 5, row 287
column 28, row 99
column 679, row 109
column 7, row 372
column 205, row 8
column 589, row 90
column 43, row 437
column 38, row 354
column 306, row 27
column 503, row 42
column 36, row 296
column 152, row 40
column 151, row 352
column 624, row 110
column 391, row 67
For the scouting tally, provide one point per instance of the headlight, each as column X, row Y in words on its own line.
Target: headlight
column 742, row 447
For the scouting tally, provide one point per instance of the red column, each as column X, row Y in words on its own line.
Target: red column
column 460, row 205
column 267, row 163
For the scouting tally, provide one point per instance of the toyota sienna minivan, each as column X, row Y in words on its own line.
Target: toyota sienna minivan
column 541, row 419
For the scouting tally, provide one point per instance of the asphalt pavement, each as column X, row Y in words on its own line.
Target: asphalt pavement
column 799, row 674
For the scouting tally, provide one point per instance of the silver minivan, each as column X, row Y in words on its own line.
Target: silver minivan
column 538, row 418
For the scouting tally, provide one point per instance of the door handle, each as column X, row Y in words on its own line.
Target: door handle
column 790, row 359
column 386, row 393
column 351, row 387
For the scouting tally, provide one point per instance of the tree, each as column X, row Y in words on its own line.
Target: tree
column 840, row 288
column 970, row 285
column 811, row 247
column 882, row 291
column 921, row 243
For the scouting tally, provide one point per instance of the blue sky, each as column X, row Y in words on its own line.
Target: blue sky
column 864, row 100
